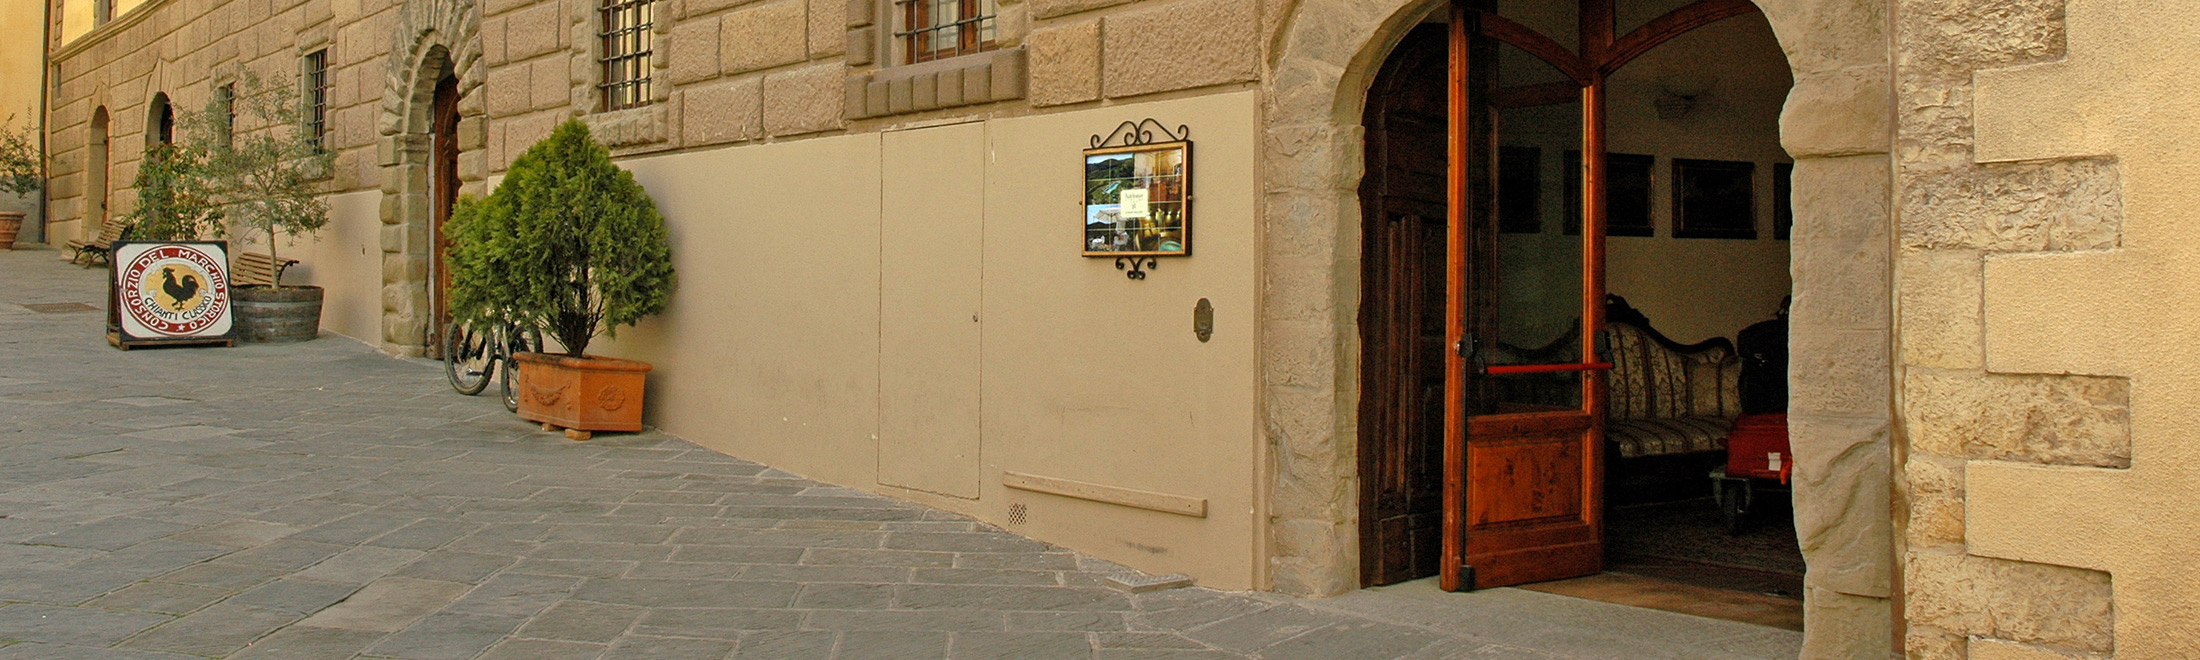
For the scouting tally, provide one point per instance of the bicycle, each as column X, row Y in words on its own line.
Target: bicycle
column 469, row 357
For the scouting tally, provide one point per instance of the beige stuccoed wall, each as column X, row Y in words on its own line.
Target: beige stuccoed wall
column 1081, row 373
column 22, row 68
column 2046, row 263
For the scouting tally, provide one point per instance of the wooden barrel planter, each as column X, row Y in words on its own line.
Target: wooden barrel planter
column 269, row 315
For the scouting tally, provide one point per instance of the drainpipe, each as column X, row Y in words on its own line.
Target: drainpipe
column 45, row 91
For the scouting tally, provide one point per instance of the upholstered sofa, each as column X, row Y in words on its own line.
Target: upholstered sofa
column 1667, row 398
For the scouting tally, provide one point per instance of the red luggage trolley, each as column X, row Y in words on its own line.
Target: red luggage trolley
column 1757, row 457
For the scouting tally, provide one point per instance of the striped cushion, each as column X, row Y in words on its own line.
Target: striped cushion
column 1673, row 435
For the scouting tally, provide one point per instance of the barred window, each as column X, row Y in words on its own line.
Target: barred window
column 316, row 79
column 936, row 29
column 626, row 53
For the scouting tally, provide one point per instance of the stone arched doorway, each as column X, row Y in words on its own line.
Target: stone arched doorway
column 1835, row 126
column 436, row 41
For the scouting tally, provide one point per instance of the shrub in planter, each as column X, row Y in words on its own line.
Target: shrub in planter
column 266, row 172
column 19, row 174
column 569, row 243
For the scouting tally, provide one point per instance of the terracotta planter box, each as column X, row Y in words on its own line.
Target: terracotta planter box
column 581, row 394
column 10, row 223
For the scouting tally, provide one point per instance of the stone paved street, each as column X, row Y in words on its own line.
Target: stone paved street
column 322, row 500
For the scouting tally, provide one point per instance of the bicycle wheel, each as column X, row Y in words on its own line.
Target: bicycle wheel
column 466, row 360
column 516, row 342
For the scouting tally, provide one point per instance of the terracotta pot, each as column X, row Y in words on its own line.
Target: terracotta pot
column 10, row 223
column 581, row 394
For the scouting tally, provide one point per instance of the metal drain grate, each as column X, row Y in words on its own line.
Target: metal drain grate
column 60, row 308
column 1017, row 512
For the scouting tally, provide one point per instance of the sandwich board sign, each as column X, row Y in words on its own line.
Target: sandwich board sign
column 170, row 292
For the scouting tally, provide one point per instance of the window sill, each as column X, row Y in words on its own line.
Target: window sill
column 629, row 127
column 986, row 77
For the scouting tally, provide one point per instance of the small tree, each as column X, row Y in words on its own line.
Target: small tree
column 267, row 178
column 20, row 173
column 568, row 243
column 174, row 202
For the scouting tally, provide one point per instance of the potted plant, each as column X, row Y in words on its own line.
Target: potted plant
column 569, row 243
column 19, row 175
column 268, row 180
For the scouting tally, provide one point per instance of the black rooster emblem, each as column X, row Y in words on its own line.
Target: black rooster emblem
column 181, row 292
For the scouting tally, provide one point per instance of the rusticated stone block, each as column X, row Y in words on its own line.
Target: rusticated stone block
column 701, row 7
column 1055, row 8
column 722, row 113
column 2020, row 207
column 1845, row 531
column 533, row 31
column 862, row 46
column 492, row 40
column 762, row 36
column 828, row 31
column 2058, row 420
column 1934, row 488
column 1182, row 45
column 550, row 83
column 1065, row 64
column 2018, row 601
column 1837, row 113
column 508, row 90
column 693, row 49
column 804, row 100
column 1940, row 293
column 1839, row 625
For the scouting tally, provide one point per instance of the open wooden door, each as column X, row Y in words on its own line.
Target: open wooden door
column 1523, row 437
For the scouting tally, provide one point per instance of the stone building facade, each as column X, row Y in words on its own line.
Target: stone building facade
column 1991, row 242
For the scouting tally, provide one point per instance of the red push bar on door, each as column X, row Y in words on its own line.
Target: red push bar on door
column 1516, row 369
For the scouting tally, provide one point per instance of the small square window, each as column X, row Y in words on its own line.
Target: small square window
column 626, row 55
column 316, row 93
column 939, row 29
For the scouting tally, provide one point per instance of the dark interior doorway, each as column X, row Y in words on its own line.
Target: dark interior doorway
column 1489, row 376
column 443, row 171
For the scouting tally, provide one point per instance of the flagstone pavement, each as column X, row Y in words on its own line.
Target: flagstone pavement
column 322, row 500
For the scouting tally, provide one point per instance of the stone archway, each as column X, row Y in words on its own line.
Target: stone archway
column 432, row 37
column 1836, row 125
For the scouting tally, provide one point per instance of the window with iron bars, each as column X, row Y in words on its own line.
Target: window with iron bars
column 316, row 80
column 939, row 29
column 626, row 53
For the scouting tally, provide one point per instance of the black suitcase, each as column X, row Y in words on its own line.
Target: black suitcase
column 1764, row 349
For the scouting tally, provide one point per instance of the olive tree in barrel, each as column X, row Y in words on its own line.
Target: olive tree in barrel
column 267, row 168
column 571, row 244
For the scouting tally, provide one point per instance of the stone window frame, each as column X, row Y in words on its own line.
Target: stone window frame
column 879, row 85
column 640, row 126
column 309, row 42
column 314, row 87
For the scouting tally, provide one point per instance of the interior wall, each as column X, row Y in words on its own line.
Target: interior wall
column 1692, row 289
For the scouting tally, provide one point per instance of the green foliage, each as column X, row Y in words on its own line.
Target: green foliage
column 568, row 243
column 266, row 170
column 174, row 201
column 19, row 161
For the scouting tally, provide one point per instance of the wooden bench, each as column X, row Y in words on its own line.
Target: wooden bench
column 255, row 269
column 110, row 231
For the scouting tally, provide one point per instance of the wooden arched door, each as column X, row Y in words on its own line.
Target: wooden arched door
column 443, row 169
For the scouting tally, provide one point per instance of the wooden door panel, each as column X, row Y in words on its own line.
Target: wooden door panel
column 1402, row 316
column 1524, row 482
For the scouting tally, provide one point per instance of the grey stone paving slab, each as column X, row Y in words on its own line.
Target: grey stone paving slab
column 359, row 508
column 72, row 625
